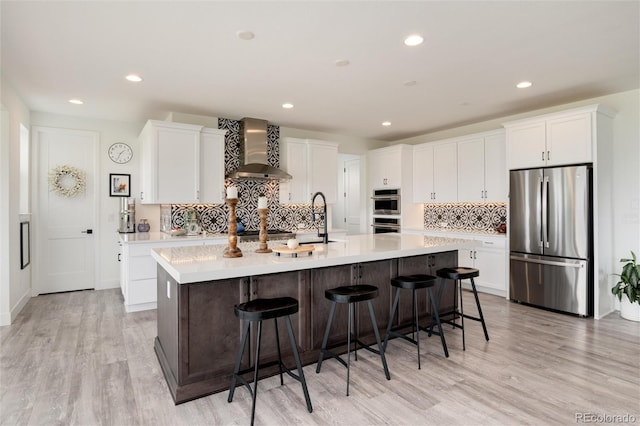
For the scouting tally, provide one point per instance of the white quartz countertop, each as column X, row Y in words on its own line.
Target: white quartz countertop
column 454, row 231
column 206, row 262
column 152, row 237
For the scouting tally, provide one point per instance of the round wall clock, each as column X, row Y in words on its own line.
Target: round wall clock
column 120, row 153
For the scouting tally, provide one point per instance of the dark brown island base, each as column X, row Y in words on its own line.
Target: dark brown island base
column 198, row 333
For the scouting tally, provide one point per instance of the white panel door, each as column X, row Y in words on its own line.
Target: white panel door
column 64, row 242
column 352, row 196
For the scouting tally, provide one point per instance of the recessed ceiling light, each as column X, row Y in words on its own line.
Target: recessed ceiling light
column 413, row 40
column 524, row 84
column 134, row 78
column 287, row 105
column 342, row 62
column 410, row 83
column 386, row 123
column 245, row 35
column 76, row 101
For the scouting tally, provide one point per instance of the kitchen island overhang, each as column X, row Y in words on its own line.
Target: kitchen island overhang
column 206, row 263
column 197, row 288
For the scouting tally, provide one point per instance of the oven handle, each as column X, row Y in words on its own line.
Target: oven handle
column 385, row 226
column 386, row 197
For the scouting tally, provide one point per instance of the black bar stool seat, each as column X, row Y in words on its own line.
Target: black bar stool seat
column 461, row 273
column 458, row 274
column 350, row 295
column 256, row 311
column 413, row 283
column 262, row 309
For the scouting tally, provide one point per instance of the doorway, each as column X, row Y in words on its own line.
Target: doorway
column 346, row 213
column 66, row 209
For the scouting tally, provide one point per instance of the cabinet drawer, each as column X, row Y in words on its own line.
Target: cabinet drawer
column 141, row 268
column 497, row 242
column 142, row 291
column 139, row 249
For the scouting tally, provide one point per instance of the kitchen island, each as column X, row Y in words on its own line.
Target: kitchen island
column 198, row 333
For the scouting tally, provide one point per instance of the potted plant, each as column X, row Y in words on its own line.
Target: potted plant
column 629, row 285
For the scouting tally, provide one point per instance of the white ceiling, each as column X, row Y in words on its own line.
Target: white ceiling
column 193, row 62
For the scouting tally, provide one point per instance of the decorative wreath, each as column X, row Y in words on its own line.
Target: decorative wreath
column 67, row 181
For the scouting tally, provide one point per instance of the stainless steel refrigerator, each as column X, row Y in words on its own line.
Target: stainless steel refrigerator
column 550, row 227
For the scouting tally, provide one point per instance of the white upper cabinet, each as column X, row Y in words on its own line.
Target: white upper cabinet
column 482, row 174
column 553, row 139
column 435, row 175
column 385, row 167
column 170, row 162
column 569, row 140
column 313, row 166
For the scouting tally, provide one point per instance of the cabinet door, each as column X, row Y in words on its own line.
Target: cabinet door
column 294, row 161
column 286, row 284
column 322, row 175
column 178, row 166
column 471, row 170
column 392, row 161
column 569, row 140
column 323, row 279
column 492, row 266
column 495, row 169
column 377, row 169
column 208, row 312
column 445, row 173
column 423, row 173
column 211, row 167
column 378, row 274
column 526, row 145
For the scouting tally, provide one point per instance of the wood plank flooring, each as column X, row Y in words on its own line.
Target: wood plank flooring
column 78, row 358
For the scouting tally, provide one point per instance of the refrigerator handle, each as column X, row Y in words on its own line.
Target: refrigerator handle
column 540, row 196
column 545, row 211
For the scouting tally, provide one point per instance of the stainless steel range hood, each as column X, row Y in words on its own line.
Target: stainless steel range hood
column 254, row 144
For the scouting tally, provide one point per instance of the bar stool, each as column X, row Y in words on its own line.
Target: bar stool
column 258, row 310
column 459, row 274
column 413, row 283
column 351, row 294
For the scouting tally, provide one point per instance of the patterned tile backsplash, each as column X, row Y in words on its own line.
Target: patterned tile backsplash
column 213, row 217
column 484, row 217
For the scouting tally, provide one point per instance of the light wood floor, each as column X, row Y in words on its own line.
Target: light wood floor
column 77, row 358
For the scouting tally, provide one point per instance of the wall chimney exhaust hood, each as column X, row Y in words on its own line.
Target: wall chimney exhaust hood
column 253, row 133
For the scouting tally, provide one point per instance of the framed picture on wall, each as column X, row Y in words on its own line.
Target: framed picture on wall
column 25, row 249
column 119, row 185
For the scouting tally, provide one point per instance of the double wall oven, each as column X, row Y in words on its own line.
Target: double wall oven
column 386, row 210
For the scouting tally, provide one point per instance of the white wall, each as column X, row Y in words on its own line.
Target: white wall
column 106, row 230
column 347, row 144
column 15, row 283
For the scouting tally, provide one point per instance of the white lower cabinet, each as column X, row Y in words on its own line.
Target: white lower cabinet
column 489, row 257
column 138, row 271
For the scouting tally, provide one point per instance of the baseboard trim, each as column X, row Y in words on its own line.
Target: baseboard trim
column 20, row 305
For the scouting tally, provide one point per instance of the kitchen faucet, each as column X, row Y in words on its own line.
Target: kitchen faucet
column 325, row 236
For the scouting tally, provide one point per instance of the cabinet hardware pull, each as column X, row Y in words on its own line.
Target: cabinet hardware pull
column 141, row 195
column 548, row 156
column 542, row 155
column 470, row 254
column 475, row 254
column 119, row 258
